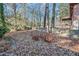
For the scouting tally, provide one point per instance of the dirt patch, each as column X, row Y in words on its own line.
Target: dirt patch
column 25, row 46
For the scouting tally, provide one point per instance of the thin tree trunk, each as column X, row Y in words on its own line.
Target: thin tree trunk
column 24, row 10
column 14, row 8
column 45, row 15
column 53, row 16
column 48, row 16
column 33, row 17
column 40, row 15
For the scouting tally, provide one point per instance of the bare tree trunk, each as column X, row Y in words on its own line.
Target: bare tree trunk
column 33, row 17
column 14, row 8
column 45, row 15
column 53, row 16
column 40, row 15
column 24, row 10
column 48, row 16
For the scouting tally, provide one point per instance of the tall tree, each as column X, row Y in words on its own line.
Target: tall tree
column 14, row 9
column 53, row 16
column 39, row 7
column 33, row 17
column 24, row 10
column 2, row 14
column 48, row 16
column 45, row 14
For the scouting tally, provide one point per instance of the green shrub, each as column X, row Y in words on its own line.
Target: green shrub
column 3, row 30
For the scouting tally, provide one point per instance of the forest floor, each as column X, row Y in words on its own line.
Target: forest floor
column 21, row 44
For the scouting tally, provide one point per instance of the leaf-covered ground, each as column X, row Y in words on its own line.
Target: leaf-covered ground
column 21, row 44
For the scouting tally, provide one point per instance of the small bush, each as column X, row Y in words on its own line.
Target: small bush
column 18, row 29
column 27, row 28
column 3, row 30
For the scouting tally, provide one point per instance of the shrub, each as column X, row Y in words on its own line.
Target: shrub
column 3, row 30
column 27, row 27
